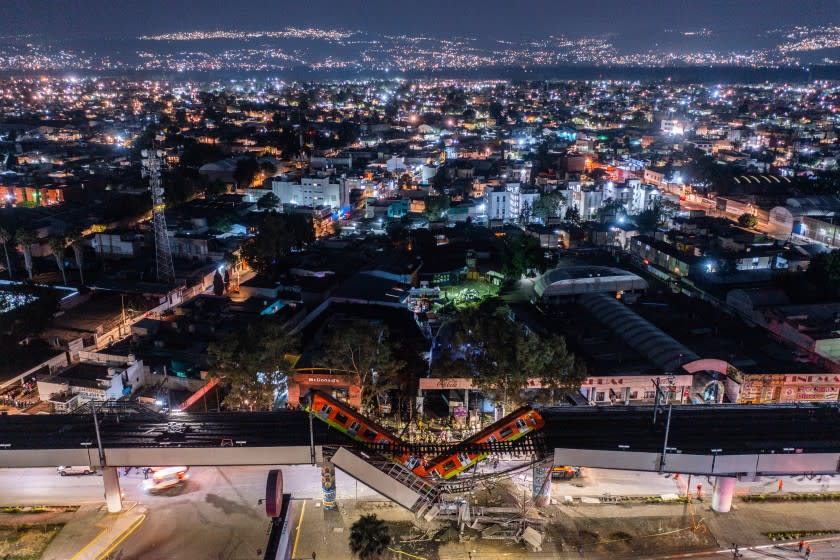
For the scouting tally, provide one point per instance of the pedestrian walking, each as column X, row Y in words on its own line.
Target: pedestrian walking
column 780, row 485
column 808, row 552
column 801, row 544
column 699, row 490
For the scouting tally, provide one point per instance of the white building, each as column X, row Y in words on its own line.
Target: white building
column 506, row 203
column 635, row 196
column 313, row 191
column 99, row 377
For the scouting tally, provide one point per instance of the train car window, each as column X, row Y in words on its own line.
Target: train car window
column 449, row 465
column 369, row 434
column 492, row 439
column 341, row 417
column 465, row 459
column 326, row 408
column 506, row 432
column 355, row 427
column 520, row 423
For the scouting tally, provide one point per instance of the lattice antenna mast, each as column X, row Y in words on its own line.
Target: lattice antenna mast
column 163, row 253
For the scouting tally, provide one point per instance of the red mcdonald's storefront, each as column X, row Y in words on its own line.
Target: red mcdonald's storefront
column 342, row 386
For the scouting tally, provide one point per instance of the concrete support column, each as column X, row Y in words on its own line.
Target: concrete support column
column 113, row 495
column 722, row 497
column 541, row 490
column 328, row 484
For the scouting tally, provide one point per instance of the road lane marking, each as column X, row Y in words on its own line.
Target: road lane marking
column 96, row 538
column 297, row 535
column 122, row 537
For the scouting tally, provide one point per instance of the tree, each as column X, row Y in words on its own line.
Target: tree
column 268, row 169
column 278, row 235
column 218, row 284
column 58, row 246
column 824, row 272
column 747, row 220
column 77, row 242
column 245, row 172
column 549, row 205
column 253, row 364
column 610, row 210
column 268, row 201
column 525, row 213
column 369, row 537
column 519, row 256
column 572, row 214
column 502, row 356
column 436, row 206
column 661, row 211
column 366, row 350
column 5, row 237
column 25, row 239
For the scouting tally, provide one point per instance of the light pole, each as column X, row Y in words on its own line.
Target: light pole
column 98, row 437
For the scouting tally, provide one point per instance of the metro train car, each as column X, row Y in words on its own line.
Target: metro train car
column 351, row 422
column 510, row 428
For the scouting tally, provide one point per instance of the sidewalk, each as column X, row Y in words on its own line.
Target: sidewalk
column 601, row 531
column 93, row 533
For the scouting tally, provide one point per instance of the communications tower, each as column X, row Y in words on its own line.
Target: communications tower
column 163, row 253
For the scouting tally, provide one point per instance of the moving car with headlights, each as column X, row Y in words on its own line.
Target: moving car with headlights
column 165, row 478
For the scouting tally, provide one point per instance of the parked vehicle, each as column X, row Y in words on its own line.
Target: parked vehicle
column 73, row 471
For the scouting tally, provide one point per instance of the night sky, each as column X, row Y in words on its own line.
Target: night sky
column 510, row 19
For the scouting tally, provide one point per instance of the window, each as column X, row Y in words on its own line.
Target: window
column 326, row 409
column 650, row 395
column 354, row 427
column 520, row 423
column 342, row 418
column 449, row 465
column 634, row 394
column 599, row 396
column 369, row 434
column 506, row 432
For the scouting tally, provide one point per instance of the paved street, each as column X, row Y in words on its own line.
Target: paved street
column 216, row 513
column 45, row 486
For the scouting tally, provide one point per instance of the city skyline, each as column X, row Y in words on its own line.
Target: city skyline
column 525, row 19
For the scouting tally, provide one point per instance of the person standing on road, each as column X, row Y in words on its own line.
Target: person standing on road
column 780, row 485
column 808, row 552
column 801, row 544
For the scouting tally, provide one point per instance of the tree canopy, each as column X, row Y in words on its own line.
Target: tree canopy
column 824, row 272
column 366, row 350
column 369, row 537
column 502, row 356
column 277, row 237
column 747, row 220
column 268, row 201
column 245, row 172
column 253, row 364
column 549, row 205
column 521, row 255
